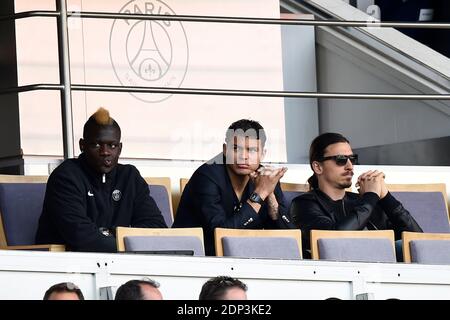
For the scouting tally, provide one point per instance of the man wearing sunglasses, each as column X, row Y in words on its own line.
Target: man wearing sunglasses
column 328, row 206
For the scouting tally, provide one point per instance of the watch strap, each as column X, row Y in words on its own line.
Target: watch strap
column 256, row 198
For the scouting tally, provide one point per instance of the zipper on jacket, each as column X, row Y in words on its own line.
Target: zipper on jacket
column 343, row 208
column 373, row 225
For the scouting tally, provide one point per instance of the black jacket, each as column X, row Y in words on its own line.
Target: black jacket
column 209, row 201
column 315, row 210
column 77, row 204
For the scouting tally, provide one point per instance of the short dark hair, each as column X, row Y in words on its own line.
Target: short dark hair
column 63, row 287
column 317, row 150
column 216, row 288
column 131, row 290
column 100, row 119
column 246, row 128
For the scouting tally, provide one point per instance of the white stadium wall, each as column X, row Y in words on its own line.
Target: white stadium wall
column 178, row 54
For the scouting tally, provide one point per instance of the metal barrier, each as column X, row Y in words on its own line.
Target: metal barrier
column 66, row 87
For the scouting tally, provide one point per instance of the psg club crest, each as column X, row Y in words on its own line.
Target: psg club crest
column 149, row 53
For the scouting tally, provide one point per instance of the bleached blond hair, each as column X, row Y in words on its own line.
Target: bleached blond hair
column 101, row 117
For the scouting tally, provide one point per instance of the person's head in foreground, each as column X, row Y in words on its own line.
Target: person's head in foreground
column 64, row 291
column 146, row 289
column 223, row 288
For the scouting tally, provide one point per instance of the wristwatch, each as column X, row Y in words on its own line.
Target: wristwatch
column 254, row 197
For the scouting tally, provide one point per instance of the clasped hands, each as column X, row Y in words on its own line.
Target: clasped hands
column 265, row 180
column 372, row 181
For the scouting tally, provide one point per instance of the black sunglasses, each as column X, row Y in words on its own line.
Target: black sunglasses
column 341, row 160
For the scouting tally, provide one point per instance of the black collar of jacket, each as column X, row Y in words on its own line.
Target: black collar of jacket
column 327, row 204
column 322, row 195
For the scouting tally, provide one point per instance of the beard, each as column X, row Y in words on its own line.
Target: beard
column 345, row 185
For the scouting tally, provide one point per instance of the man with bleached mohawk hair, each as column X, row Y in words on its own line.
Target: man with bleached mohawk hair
column 87, row 198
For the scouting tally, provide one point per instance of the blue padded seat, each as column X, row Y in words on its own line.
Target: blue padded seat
column 21, row 206
column 428, row 208
column 356, row 249
column 261, row 247
column 155, row 243
column 161, row 197
column 430, row 251
column 289, row 196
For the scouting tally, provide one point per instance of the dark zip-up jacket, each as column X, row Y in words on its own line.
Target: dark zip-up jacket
column 209, row 201
column 316, row 210
column 79, row 207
